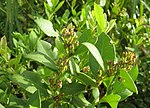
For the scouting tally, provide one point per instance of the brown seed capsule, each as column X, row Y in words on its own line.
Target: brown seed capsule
column 86, row 69
column 119, row 78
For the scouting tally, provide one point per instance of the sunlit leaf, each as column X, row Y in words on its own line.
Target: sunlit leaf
column 112, row 99
column 128, row 81
column 47, row 27
column 93, row 50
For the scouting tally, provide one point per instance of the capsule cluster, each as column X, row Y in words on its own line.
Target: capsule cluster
column 55, row 84
column 62, row 64
column 126, row 63
column 70, row 39
column 128, row 60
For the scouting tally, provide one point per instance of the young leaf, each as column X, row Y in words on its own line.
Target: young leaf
column 100, row 18
column 72, row 88
column 59, row 6
column 47, row 27
column 111, row 24
column 93, row 50
column 128, row 81
column 86, row 79
column 41, row 58
column 112, row 99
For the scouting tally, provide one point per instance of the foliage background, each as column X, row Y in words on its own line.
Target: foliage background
column 132, row 30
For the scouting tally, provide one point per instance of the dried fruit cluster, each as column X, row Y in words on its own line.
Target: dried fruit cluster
column 70, row 39
column 126, row 63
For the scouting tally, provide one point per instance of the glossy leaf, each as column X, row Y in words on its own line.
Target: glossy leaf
column 80, row 101
column 128, row 81
column 43, row 59
column 94, row 51
column 106, row 48
column 86, row 79
column 73, row 88
column 134, row 72
column 74, row 68
column 112, row 99
column 124, row 94
column 95, row 93
column 47, row 27
column 24, row 83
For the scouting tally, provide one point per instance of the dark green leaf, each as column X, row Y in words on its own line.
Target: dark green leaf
column 106, row 48
column 35, row 99
column 86, row 79
column 80, row 101
column 73, row 88
column 41, row 58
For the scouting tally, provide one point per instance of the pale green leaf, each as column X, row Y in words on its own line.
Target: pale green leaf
column 47, row 27
column 112, row 99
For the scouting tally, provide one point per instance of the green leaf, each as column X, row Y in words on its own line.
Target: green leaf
column 86, row 79
column 60, row 46
column 106, row 48
column 1, row 106
column 59, row 6
column 14, row 102
column 124, row 94
column 74, row 68
column 47, row 27
column 45, row 48
column 95, row 93
column 118, row 86
column 94, row 51
column 24, row 83
column 112, row 99
column 128, row 81
column 94, row 66
column 32, row 40
column 80, row 101
column 73, row 88
column 100, row 18
column 36, row 80
column 134, row 72
column 35, row 99
column 43, row 59
column 111, row 24
column 85, row 36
